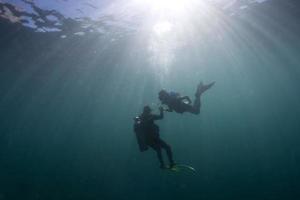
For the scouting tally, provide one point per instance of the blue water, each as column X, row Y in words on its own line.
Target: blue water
column 74, row 74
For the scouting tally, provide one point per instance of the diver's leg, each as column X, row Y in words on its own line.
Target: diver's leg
column 168, row 149
column 157, row 148
column 195, row 109
column 159, row 156
column 196, row 106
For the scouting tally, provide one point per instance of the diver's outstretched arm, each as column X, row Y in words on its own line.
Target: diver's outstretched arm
column 161, row 114
column 168, row 109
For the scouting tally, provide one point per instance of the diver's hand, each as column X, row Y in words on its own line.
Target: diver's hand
column 168, row 110
column 161, row 109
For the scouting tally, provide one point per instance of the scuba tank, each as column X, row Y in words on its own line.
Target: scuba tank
column 174, row 94
column 140, row 134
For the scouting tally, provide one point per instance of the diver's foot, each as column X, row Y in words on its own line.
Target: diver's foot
column 162, row 166
column 172, row 165
column 202, row 88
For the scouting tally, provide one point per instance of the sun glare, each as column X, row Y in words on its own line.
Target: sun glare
column 162, row 27
column 171, row 25
column 165, row 5
column 173, row 5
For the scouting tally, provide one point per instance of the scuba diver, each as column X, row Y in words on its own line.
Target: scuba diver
column 147, row 133
column 181, row 104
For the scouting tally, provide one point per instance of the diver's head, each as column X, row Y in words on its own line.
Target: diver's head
column 162, row 95
column 147, row 110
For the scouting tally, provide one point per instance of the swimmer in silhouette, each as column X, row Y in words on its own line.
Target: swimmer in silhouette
column 148, row 135
column 181, row 104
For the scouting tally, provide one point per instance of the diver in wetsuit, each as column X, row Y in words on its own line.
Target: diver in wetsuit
column 148, row 135
column 181, row 104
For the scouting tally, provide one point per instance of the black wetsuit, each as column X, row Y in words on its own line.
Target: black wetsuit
column 152, row 136
column 178, row 105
